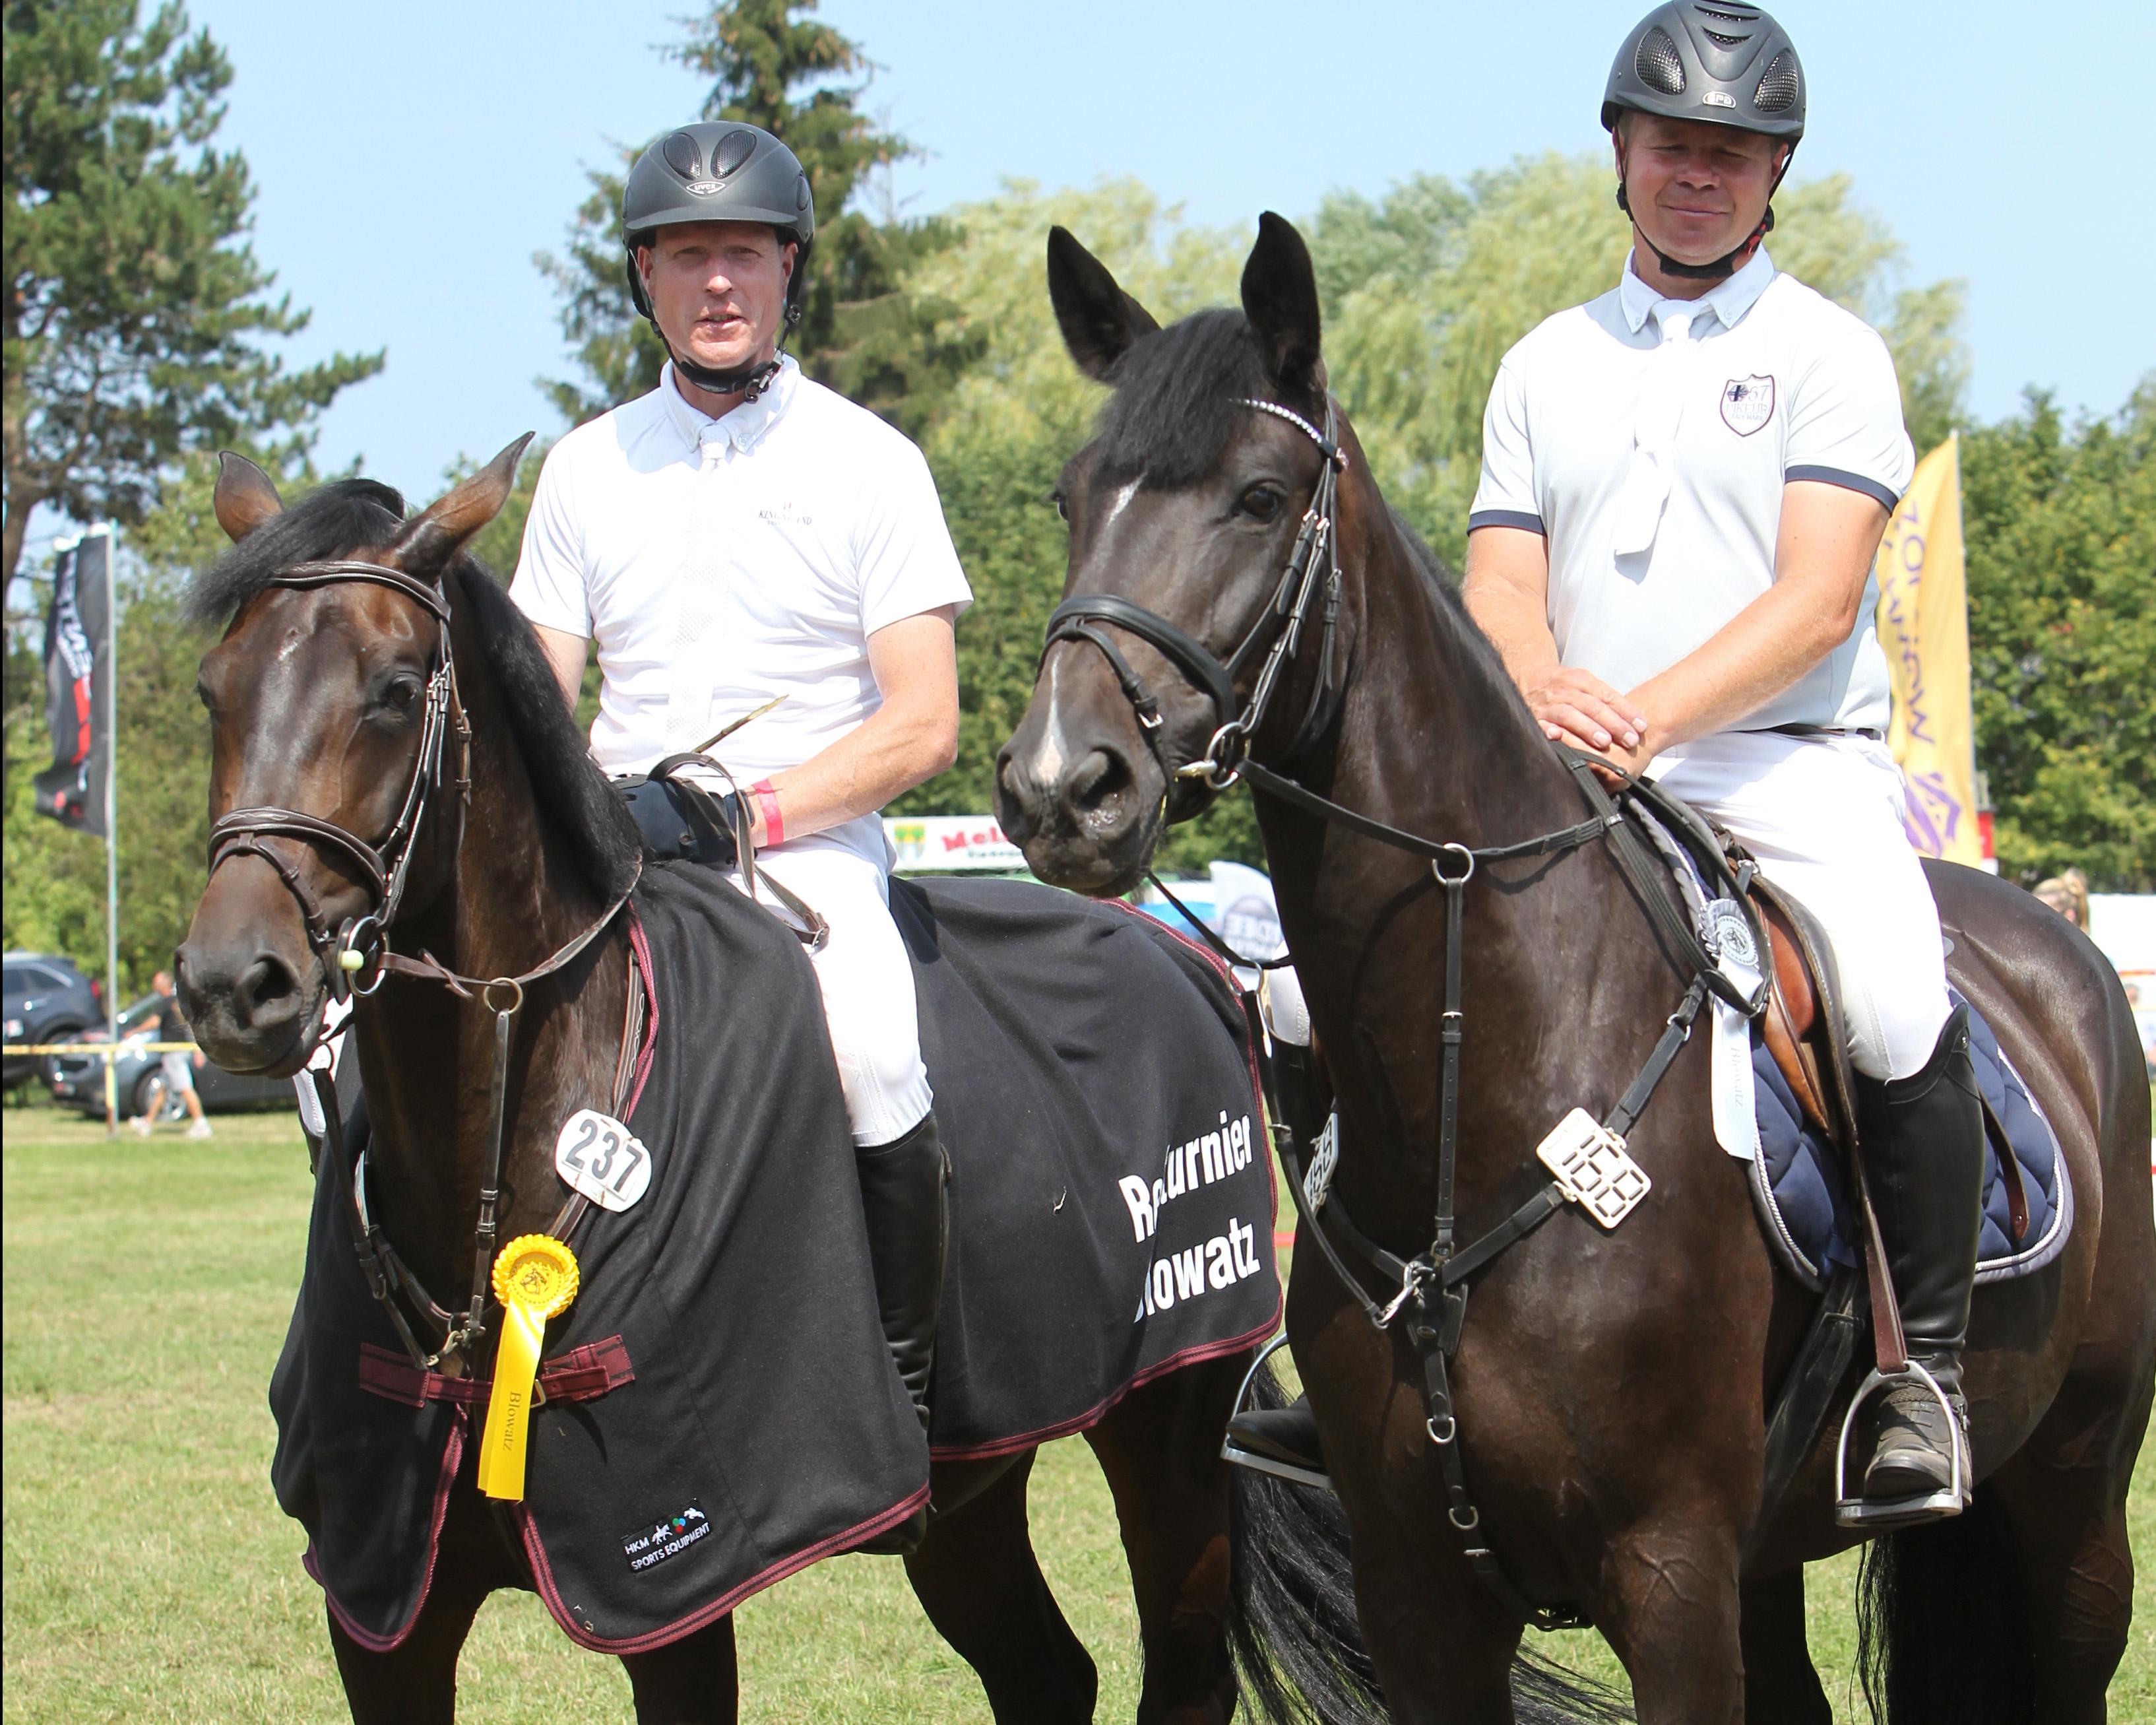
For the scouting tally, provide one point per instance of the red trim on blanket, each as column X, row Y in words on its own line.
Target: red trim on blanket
column 640, row 946
column 453, row 1451
column 542, row 1573
column 1196, row 1354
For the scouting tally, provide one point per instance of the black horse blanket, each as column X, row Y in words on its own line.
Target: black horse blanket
column 720, row 1408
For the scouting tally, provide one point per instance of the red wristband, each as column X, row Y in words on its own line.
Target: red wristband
column 767, row 802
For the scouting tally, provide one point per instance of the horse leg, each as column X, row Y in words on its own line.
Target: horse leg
column 2064, row 1497
column 1780, row 1686
column 978, row 1579
column 1160, row 1448
column 690, row 1681
column 1672, row 1615
column 414, row 1682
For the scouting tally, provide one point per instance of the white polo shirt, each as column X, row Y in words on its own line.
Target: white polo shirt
column 1649, row 440
column 718, row 563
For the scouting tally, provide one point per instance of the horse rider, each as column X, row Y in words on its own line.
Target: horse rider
column 1684, row 485
column 742, row 533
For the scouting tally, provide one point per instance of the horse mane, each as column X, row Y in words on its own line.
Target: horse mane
column 334, row 520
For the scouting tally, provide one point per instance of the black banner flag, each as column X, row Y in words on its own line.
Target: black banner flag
column 78, row 671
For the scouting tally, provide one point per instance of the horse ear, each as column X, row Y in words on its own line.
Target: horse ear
column 245, row 498
column 1280, row 297
column 425, row 543
column 1098, row 319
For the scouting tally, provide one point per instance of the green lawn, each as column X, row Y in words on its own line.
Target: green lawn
column 150, row 1576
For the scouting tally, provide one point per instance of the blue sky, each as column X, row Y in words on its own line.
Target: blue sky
column 412, row 157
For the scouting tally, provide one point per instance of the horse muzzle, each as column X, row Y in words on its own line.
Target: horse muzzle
column 1089, row 821
column 254, row 1001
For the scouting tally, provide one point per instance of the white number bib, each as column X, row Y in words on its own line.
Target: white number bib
column 597, row 1156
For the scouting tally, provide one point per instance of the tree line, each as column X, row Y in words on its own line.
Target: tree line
column 125, row 373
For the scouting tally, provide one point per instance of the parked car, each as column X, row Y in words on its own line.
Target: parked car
column 47, row 1001
column 78, row 1080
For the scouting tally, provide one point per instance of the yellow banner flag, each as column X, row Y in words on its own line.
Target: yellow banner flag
column 1923, row 626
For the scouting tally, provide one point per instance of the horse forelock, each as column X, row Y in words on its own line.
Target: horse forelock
column 1178, row 400
column 333, row 520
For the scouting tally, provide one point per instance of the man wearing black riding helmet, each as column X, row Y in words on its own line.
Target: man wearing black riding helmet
column 1684, row 485
column 743, row 542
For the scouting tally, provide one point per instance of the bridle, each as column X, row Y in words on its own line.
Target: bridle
column 385, row 865
column 1313, row 569
column 357, row 956
column 1431, row 1287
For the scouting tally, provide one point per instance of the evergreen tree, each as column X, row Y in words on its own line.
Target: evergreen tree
column 135, row 305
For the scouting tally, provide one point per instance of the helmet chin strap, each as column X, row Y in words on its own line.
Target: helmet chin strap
column 747, row 381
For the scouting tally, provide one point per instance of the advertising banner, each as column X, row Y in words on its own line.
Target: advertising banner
column 78, row 664
column 1923, row 626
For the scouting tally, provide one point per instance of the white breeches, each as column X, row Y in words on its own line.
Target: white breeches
column 867, row 983
column 1823, row 814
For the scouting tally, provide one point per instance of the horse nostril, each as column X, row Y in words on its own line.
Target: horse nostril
column 265, row 986
column 1098, row 778
column 1011, row 803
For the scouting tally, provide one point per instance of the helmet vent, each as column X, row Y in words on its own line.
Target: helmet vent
column 1779, row 88
column 1657, row 63
column 680, row 153
column 1723, row 15
column 1721, row 41
column 735, row 148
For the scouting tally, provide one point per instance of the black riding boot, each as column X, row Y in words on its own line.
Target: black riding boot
column 1923, row 1148
column 903, row 1203
column 1289, row 1434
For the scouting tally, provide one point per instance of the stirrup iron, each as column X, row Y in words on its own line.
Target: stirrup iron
column 1882, row 1515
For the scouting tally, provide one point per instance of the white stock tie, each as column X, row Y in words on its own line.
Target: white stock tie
column 1655, row 435
column 700, row 598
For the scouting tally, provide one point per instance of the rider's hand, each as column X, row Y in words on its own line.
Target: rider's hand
column 1577, row 707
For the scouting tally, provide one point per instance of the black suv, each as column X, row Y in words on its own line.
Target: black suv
column 48, row 1001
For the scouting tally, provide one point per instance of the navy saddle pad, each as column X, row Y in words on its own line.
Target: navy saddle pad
column 1804, row 1200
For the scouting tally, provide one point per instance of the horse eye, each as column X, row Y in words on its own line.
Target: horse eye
column 402, row 693
column 1062, row 508
column 202, row 694
column 1260, row 502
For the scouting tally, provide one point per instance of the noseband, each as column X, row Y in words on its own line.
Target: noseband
column 1313, row 563
column 351, row 957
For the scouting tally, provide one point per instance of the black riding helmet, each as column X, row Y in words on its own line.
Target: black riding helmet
column 1723, row 64
column 719, row 171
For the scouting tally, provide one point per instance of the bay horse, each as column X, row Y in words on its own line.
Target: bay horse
column 319, row 697
column 1609, row 1388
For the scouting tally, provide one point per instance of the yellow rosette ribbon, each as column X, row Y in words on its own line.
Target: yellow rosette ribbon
column 534, row 1278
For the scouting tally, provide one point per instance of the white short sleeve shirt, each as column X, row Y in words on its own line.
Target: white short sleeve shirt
column 1649, row 440
column 719, row 563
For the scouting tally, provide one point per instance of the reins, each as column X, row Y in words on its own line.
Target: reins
column 358, row 957
column 1433, row 1285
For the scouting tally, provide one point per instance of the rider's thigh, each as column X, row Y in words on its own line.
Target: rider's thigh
column 1824, row 817
column 867, row 983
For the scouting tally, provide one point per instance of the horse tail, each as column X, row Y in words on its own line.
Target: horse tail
column 1291, row 1624
column 1942, row 1623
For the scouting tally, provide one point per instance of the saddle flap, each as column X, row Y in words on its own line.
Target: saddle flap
column 1805, row 1027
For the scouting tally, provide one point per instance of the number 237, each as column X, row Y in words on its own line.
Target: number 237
column 609, row 1148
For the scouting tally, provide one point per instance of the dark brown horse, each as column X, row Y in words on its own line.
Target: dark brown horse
column 317, row 696
column 1609, row 1386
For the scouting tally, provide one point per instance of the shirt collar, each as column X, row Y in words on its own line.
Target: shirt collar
column 1729, row 301
column 745, row 425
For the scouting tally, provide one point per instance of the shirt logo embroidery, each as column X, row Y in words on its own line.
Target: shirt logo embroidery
column 787, row 514
column 1748, row 403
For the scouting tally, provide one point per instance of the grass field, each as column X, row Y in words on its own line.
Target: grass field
column 149, row 1574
